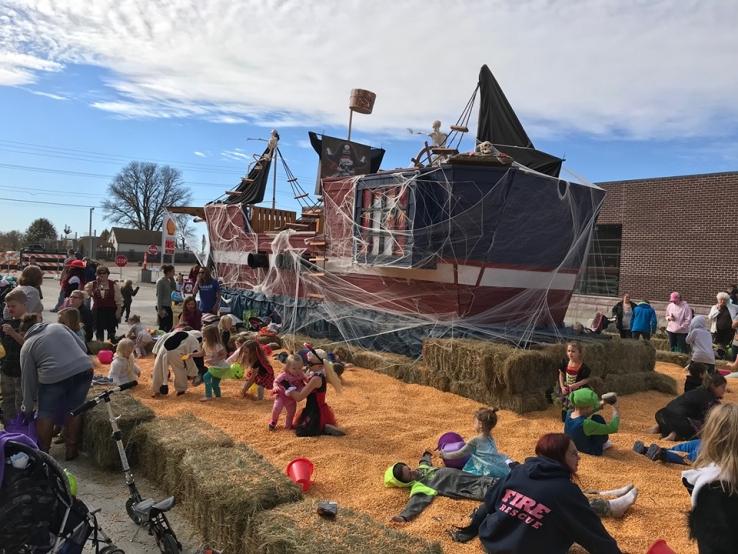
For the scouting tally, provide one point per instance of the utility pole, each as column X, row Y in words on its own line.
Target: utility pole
column 91, row 254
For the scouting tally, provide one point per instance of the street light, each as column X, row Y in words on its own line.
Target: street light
column 91, row 254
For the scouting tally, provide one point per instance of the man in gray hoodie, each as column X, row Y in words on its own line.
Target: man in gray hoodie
column 56, row 372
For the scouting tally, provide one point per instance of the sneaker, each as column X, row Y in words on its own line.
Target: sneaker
column 272, row 426
column 180, row 392
column 639, row 448
column 197, row 380
column 205, row 398
column 655, row 453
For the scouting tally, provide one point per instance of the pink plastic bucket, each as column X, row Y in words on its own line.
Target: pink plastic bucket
column 105, row 356
column 448, row 438
column 454, row 447
column 660, row 547
column 300, row 471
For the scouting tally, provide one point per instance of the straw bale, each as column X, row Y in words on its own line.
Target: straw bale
column 269, row 339
column 660, row 344
column 625, row 384
column 158, row 447
column 223, row 488
column 97, row 438
column 672, row 357
column 662, row 383
column 95, row 346
column 297, row 529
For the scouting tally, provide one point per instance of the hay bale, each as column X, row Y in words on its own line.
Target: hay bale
column 158, row 447
column 97, row 438
column 269, row 339
column 95, row 346
column 297, row 529
column 626, row 384
column 223, row 488
column 662, row 383
column 660, row 344
column 672, row 357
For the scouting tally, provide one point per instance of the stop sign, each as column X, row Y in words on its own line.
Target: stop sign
column 121, row 260
column 153, row 250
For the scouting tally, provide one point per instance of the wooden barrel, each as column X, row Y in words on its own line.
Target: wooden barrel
column 362, row 101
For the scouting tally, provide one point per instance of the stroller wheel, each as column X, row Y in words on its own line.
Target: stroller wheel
column 112, row 549
column 135, row 518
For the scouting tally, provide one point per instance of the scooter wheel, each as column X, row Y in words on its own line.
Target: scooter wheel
column 135, row 518
column 168, row 544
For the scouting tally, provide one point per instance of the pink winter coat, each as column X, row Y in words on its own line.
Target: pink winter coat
column 678, row 317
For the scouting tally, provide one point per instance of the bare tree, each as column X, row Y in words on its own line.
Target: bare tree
column 141, row 193
column 185, row 230
column 12, row 240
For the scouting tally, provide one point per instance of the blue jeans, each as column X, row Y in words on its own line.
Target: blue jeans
column 56, row 400
column 692, row 448
column 677, row 342
column 212, row 385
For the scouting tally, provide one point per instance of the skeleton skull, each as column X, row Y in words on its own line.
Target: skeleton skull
column 485, row 148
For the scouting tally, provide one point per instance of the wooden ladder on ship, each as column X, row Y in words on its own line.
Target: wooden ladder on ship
column 317, row 259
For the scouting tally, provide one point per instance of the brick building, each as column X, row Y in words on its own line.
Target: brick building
column 670, row 233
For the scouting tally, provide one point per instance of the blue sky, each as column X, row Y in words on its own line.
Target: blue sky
column 622, row 89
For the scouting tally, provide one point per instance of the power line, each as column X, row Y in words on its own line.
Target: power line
column 50, row 203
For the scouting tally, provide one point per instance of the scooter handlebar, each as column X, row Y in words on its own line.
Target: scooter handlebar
column 99, row 398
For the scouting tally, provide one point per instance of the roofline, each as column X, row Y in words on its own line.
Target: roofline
column 668, row 178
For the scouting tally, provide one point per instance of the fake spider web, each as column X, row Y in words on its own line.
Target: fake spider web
column 437, row 252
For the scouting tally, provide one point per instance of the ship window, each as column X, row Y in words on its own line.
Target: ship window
column 383, row 223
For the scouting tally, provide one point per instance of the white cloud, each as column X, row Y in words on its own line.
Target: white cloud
column 640, row 69
column 200, row 154
column 236, row 154
column 48, row 95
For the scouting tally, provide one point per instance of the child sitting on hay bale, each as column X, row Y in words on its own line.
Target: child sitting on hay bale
column 484, row 459
column 426, row 482
column 573, row 375
column 174, row 350
column 292, row 378
column 316, row 417
column 589, row 431
column 123, row 368
column 682, row 418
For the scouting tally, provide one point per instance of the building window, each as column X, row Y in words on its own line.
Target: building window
column 601, row 275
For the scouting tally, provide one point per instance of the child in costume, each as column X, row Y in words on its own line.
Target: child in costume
column 573, row 374
column 123, row 368
column 484, row 457
column 252, row 357
column 292, row 378
column 215, row 357
column 588, row 430
column 174, row 350
column 140, row 336
column 316, row 417
column 426, row 482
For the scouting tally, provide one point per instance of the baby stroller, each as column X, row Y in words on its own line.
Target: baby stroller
column 38, row 509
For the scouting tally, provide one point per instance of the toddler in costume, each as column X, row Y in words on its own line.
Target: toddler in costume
column 292, row 378
column 140, row 336
column 215, row 357
column 123, row 368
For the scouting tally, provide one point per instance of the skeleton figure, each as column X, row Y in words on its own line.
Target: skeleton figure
column 485, row 148
column 345, row 163
column 437, row 136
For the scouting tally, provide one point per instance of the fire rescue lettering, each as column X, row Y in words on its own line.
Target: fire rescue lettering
column 525, row 509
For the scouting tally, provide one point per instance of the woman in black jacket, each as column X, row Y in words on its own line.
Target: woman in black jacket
column 682, row 418
column 538, row 508
column 713, row 484
column 623, row 313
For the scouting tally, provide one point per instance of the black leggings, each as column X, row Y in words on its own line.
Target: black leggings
column 105, row 320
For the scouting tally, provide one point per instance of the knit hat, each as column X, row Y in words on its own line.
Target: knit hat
column 584, row 397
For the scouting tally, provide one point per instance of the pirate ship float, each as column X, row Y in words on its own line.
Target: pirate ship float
column 484, row 243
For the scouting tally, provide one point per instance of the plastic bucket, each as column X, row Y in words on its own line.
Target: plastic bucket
column 300, row 471
column 660, row 547
column 454, row 447
column 105, row 356
column 448, row 438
